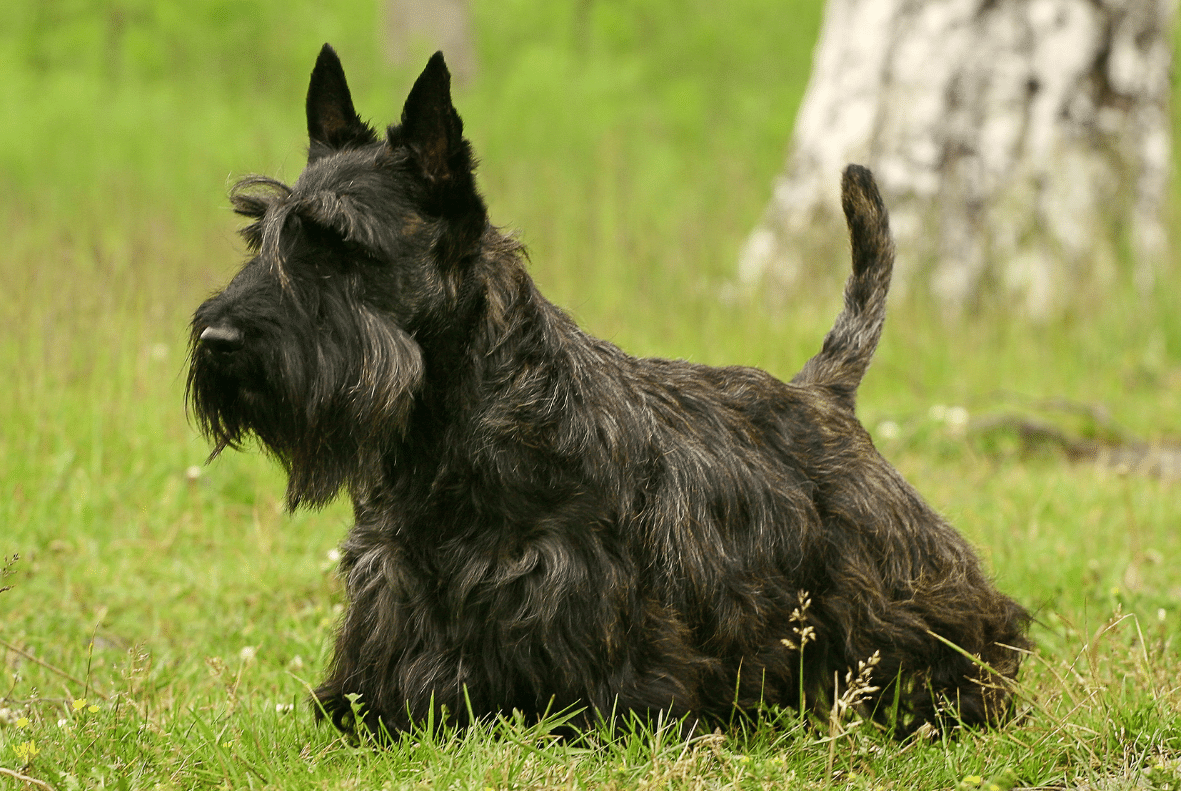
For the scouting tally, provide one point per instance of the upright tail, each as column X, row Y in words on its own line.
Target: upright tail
column 849, row 345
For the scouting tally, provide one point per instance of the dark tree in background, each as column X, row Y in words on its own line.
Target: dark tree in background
column 1019, row 144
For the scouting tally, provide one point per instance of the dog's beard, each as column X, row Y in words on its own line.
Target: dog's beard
column 328, row 414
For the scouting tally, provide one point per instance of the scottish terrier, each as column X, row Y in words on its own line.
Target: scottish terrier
column 544, row 522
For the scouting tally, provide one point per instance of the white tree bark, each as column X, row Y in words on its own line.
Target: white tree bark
column 1018, row 144
column 416, row 28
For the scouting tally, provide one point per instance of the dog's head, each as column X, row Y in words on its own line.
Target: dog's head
column 317, row 345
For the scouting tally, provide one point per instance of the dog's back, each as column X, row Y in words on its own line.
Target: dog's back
column 850, row 344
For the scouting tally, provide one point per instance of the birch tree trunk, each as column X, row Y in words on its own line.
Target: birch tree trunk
column 416, row 28
column 1018, row 143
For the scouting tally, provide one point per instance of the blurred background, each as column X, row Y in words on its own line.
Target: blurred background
column 635, row 146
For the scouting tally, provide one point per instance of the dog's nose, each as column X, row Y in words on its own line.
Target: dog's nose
column 221, row 338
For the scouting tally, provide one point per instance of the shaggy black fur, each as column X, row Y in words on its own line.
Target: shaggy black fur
column 543, row 521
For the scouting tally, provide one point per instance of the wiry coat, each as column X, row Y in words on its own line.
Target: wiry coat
column 543, row 521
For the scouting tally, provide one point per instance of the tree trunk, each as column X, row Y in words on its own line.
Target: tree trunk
column 1020, row 145
column 417, row 28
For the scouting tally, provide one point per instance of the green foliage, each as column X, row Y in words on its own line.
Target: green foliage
column 634, row 145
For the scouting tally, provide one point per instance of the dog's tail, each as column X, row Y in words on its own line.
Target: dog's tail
column 850, row 343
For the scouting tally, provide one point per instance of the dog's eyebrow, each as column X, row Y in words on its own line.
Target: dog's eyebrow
column 339, row 212
column 271, row 202
column 253, row 196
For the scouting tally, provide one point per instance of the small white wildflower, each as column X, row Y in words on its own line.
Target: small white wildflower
column 729, row 294
column 937, row 412
column 248, row 653
column 957, row 419
column 1161, row 614
column 888, row 430
column 283, row 708
column 334, row 555
column 193, row 474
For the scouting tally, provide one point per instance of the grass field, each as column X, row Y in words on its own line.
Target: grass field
column 165, row 618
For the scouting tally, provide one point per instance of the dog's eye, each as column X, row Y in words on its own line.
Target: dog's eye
column 358, row 250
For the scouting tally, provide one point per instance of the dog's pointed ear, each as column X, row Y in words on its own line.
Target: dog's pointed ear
column 430, row 127
column 431, row 135
column 333, row 124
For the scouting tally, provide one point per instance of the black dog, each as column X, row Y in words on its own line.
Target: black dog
column 543, row 521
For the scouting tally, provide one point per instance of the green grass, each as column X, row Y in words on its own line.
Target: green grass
column 634, row 147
